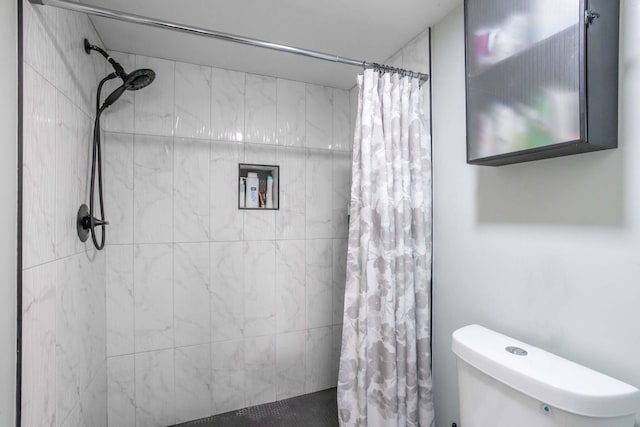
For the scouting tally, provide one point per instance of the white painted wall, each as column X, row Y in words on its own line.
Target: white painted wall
column 547, row 251
column 8, row 161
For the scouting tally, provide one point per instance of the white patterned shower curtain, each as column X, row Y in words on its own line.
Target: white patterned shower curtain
column 385, row 364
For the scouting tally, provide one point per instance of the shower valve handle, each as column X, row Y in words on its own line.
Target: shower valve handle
column 98, row 222
column 88, row 221
column 85, row 222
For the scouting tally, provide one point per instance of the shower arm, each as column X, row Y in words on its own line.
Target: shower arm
column 152, row 22
column 88, row 47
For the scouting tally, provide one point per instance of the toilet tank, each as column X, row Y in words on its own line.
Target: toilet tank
column 505, row 383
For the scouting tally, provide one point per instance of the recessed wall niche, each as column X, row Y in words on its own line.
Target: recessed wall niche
column 258, row 187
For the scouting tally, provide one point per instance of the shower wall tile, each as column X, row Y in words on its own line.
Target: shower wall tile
column 54, row 47
column 80, row 328
column 74, row 418
column 290, row 218
column 415, row 54
column 89, row 65
column 191, row 190
column 154, row 108
column 228, row 373
column 227, row 105
column 290, row 285
column 192, row 315
column 336, row 338
column 193, row 386
column 290, row 364
column 40, row 23
column 153, row 183
column 259, row 225
column 77, row 74
column 93, row 401
column 154, row 388
column 260, row 385
column 260, row 153
column 260, row 369
column 291, row 113
column 416, row 58
column 259, row 288
column 121, row 409
column 39, row 345
column 339, row 277
column 153, row 297
column 221, row 308
column 120, row 307
column 227, row 291
column 91, row 409
column 260, row 109
column 72, row 158
column 64, row 309
column 353, row 112
column 340, row 120
column 319, row 194
column 226, row 218
column 319, row 360
column 119, row 117
column 39, row 170
column 118, row 190
column 319, row 116
column 193, row 101
column 341, row 193
column 319, row 293
column 396, row 60
column 95, row 306
column 67, row 44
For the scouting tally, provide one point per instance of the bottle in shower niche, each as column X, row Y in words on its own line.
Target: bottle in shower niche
column 269, row 192
column 253, row 186
column 243, row 186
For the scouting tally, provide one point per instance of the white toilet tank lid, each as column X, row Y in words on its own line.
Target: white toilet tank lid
column 544, row 376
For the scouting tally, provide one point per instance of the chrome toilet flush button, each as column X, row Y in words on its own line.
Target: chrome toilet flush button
column 517, row 351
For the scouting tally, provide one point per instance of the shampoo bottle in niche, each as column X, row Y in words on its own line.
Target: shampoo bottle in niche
column 269, row 192
column 253, row 185
column 243, row 186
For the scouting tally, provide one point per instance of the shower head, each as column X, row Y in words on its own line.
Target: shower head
column 134, row 80
column 138, row 79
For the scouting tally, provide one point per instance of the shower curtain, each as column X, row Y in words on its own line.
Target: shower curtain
column 385, row 364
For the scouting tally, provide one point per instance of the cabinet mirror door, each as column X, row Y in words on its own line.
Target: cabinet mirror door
column 523, row 75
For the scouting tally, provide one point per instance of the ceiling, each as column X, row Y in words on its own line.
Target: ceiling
column 370, row 30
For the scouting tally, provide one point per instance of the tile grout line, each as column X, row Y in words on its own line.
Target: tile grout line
column 133, row 232
column 173, row 245
column 210, row 275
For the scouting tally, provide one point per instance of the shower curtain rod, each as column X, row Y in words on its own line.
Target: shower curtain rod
column 138, row 19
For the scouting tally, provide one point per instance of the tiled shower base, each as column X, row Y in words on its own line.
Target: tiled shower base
column 311, row 410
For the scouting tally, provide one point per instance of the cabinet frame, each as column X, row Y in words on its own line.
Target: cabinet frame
column 598, row 88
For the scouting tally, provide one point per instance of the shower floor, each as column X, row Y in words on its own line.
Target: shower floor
column 311, row 410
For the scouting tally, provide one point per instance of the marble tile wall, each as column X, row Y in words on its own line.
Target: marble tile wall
column 209, row 308
column 64, row 308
